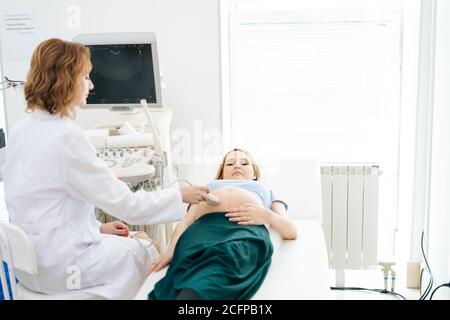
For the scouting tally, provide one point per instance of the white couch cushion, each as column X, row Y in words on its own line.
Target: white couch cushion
column 297, row 181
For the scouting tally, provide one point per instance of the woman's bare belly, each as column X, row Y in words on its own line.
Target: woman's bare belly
column 230, row 197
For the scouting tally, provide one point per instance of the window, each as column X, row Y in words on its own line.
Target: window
column 317, row 77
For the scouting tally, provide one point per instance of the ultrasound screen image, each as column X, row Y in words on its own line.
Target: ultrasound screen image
column 122, row 73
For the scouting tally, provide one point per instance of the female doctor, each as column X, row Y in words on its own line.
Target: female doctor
column 53, row 181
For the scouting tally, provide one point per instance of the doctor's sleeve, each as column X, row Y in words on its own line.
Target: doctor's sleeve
column 88, row 179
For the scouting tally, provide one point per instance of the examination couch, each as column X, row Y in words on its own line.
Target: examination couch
column 299, row 268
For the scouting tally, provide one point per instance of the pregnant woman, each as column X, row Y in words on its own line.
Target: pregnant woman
column 224, row 251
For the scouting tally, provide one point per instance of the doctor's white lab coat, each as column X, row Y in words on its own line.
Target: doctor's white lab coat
column 53, row 181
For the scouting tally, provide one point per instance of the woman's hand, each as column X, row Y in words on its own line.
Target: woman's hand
column 115, row 227
column 194, row 194
column 161, row 262
column 249, row 214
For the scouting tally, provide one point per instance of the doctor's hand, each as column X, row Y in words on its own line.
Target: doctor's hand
column 249, row 214
column 115, row 227
column 194, row 194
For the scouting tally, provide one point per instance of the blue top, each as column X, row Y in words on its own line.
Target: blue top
column 257, row 188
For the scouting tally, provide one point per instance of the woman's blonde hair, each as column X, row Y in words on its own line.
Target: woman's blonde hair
column 219, row 174
column 52, row 82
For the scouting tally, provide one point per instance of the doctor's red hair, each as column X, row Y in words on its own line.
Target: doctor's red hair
column 53, row 79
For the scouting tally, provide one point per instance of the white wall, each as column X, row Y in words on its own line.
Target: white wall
column 411, row 24
column 439, row 218
column 188, row 45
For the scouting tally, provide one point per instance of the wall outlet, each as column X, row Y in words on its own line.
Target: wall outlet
column 413, row 275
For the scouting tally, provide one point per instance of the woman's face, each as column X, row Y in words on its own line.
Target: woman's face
column 238, row 166
column 86, row 86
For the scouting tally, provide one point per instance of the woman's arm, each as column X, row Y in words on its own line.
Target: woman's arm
column 250, row 214
column 166, row 257
column 281, row 222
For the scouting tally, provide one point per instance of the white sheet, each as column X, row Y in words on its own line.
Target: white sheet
column 299, row 268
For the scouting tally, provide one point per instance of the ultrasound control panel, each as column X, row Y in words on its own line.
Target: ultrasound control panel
column 131, row 164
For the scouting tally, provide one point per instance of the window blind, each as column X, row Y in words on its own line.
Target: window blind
column 323, row 81
column 329, row 88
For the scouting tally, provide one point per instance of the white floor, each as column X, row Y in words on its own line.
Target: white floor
column 372, row 279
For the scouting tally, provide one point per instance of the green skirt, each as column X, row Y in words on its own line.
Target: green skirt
column 218, row 259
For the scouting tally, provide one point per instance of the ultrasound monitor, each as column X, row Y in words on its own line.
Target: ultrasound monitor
column 125, row 70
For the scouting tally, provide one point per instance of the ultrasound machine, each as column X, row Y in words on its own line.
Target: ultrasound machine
column 132, row 137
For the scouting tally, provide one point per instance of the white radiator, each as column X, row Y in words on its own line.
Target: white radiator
column 350, row 216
